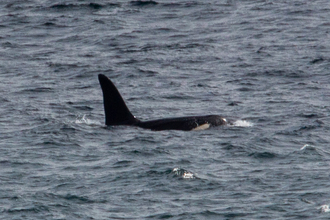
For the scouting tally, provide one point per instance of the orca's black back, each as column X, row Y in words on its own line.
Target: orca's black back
column 116, row 111
column 183, row 123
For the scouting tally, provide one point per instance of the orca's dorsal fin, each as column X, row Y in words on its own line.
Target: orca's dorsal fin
column 116, row 111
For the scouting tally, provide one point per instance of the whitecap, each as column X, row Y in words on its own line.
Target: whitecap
column 188, row 175
column 87, row 121
column 306, row 146
column 242, row 123
column 324, row 208
column 183, row 173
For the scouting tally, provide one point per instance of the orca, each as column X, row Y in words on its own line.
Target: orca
column 117, row 113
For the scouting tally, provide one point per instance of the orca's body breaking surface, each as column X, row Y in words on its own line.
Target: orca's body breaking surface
column 117, row 113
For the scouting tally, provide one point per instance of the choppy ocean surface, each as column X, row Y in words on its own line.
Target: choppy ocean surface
column 264, row 65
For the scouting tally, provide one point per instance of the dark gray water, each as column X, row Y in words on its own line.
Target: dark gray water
column 264, row 65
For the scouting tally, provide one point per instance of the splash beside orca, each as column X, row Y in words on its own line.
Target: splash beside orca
column 117, row 113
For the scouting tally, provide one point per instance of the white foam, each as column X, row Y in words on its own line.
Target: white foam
column 175, row 170
column 306, row 146
column 85, row 120
column 242, row 123
column 324, row 208
column 183, row 173
column 188, row 175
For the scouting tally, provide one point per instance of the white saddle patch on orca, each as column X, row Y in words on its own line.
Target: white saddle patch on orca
column 201, row 127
